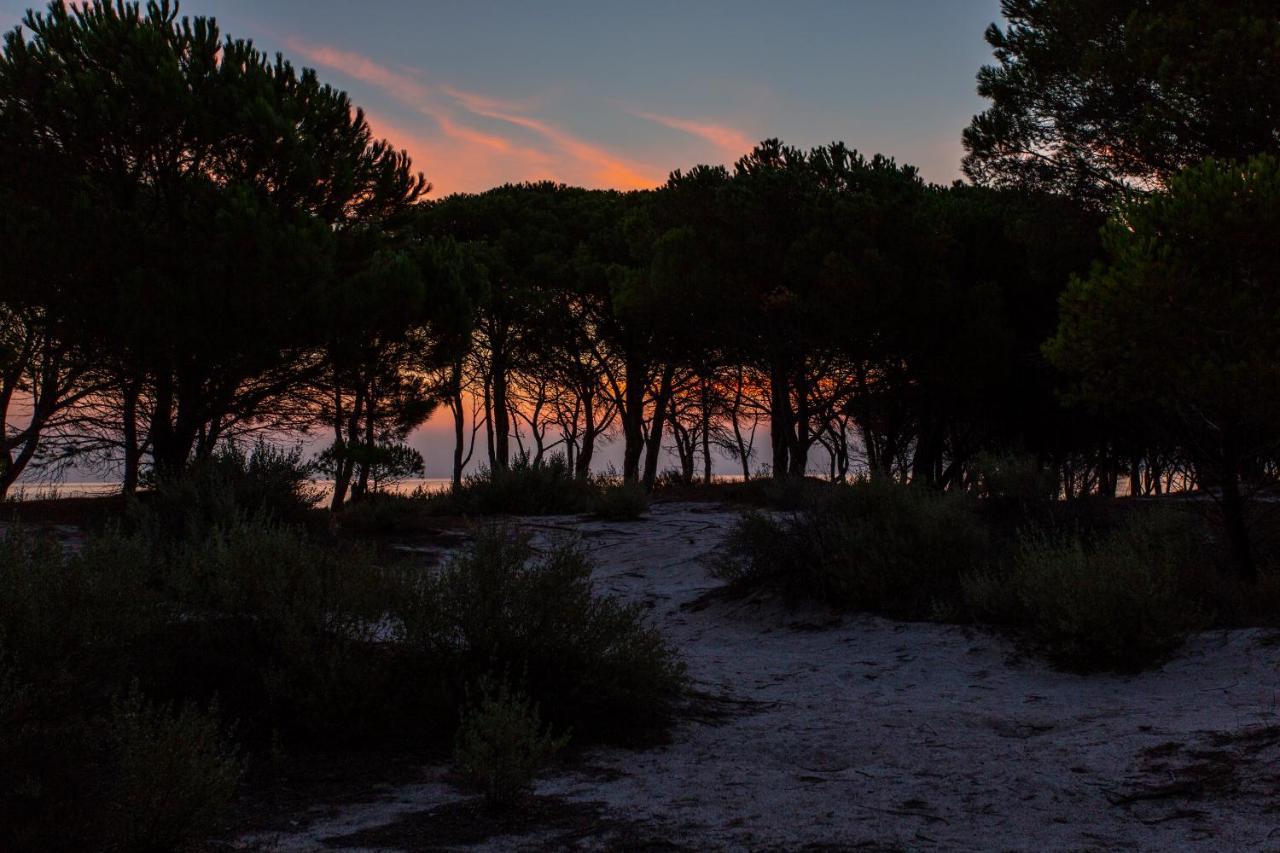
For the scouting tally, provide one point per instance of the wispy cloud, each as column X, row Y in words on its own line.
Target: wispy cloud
column 463, row 156
column 608, row 168
column 730, row 142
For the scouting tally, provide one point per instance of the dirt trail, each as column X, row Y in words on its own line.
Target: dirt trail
column 870, row 734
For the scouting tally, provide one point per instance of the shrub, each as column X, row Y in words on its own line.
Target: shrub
column 284, row 628
column 523, row 488
column 788, row 493
column 1122, row 603
column 620, row 502
column 877, row 546
column 267, row 482
column 177, row 774
column 74, row 622
column 590, row 662
column 501, row 743
column 386, row 513
column 1016, row 477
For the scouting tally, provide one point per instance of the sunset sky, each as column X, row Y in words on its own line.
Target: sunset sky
column 612, row 94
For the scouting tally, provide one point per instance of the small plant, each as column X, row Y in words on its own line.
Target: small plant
column 1016, row 477
column 177, row 774
column 501, row 743
column 265, row 482
column 1122, row 603
column 548, row 487
column 621, row 502
column 591, row 662
column 876, row 546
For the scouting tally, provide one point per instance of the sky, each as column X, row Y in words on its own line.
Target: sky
column 618, row 94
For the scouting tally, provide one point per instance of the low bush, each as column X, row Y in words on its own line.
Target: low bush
column 385, row 514
column 1016, row 477
column 501, row 743
column 590, row 662
column 176, row 774
column 282, row 628
column 523, row 488
column 877, row 546
column 620, row 502
column 265, row 482
column 787, row 493
column 1122, row 602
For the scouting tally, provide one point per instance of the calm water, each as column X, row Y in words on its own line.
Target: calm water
column 50, row 491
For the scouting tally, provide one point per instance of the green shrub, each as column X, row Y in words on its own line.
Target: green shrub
column 590, row 661
column 787, row 493
column 73, row 623
column 266, row 482
column 283, row 628
column 386, row 513
column 523, row 488
column 620, row 502
column 1016, row 477
column 176, row 775
column 877, row 546
column 501, row 743
column 1120, row 603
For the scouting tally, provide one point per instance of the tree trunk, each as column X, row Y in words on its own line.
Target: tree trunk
column 582, row 466
column 459, row 424
column 129, row 422
column 799, row 434
column 706, row 431
column 653, row 447
column 779, row 418
column 637, row 381
column 501, row 417
column 1236, row 525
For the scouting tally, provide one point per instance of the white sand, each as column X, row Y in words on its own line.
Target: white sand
column 866, row 733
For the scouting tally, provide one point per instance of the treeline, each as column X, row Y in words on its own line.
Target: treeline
column 201, row 243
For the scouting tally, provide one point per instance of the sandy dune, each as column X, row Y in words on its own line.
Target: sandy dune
column 862, row 733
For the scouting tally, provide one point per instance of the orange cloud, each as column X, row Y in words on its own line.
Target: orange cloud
column 453, row 165
column 454, row 162
column 607, row 168
column 732, row 143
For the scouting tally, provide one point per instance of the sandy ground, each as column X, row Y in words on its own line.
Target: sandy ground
column 862, row 733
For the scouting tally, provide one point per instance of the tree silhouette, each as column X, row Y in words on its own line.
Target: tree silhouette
column 1178, row 327
column 1092, row 96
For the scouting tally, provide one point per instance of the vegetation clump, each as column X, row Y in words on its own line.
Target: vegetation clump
column 177, row 774
column 547, row 487
column 1123, row 601
column 620, row 502
column 501, row 743
column 590, row 662
column 875, row 545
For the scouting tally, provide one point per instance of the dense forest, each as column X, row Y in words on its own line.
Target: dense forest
column 203, row 243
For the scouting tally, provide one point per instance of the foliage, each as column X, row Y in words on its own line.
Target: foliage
column 1121, row 603
column 1090, row 96
column 267, row 483
column 1176, row 330
column 177, row 775
column 549, row 487
column 282, row 629
column 589, row 661
column 200, row 285
column 620, row 502
column 501, row 743
column 387, row 513
column 877, row 546
column 1016, row 477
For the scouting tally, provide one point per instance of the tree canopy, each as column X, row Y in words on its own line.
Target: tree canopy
column 1090, row 97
